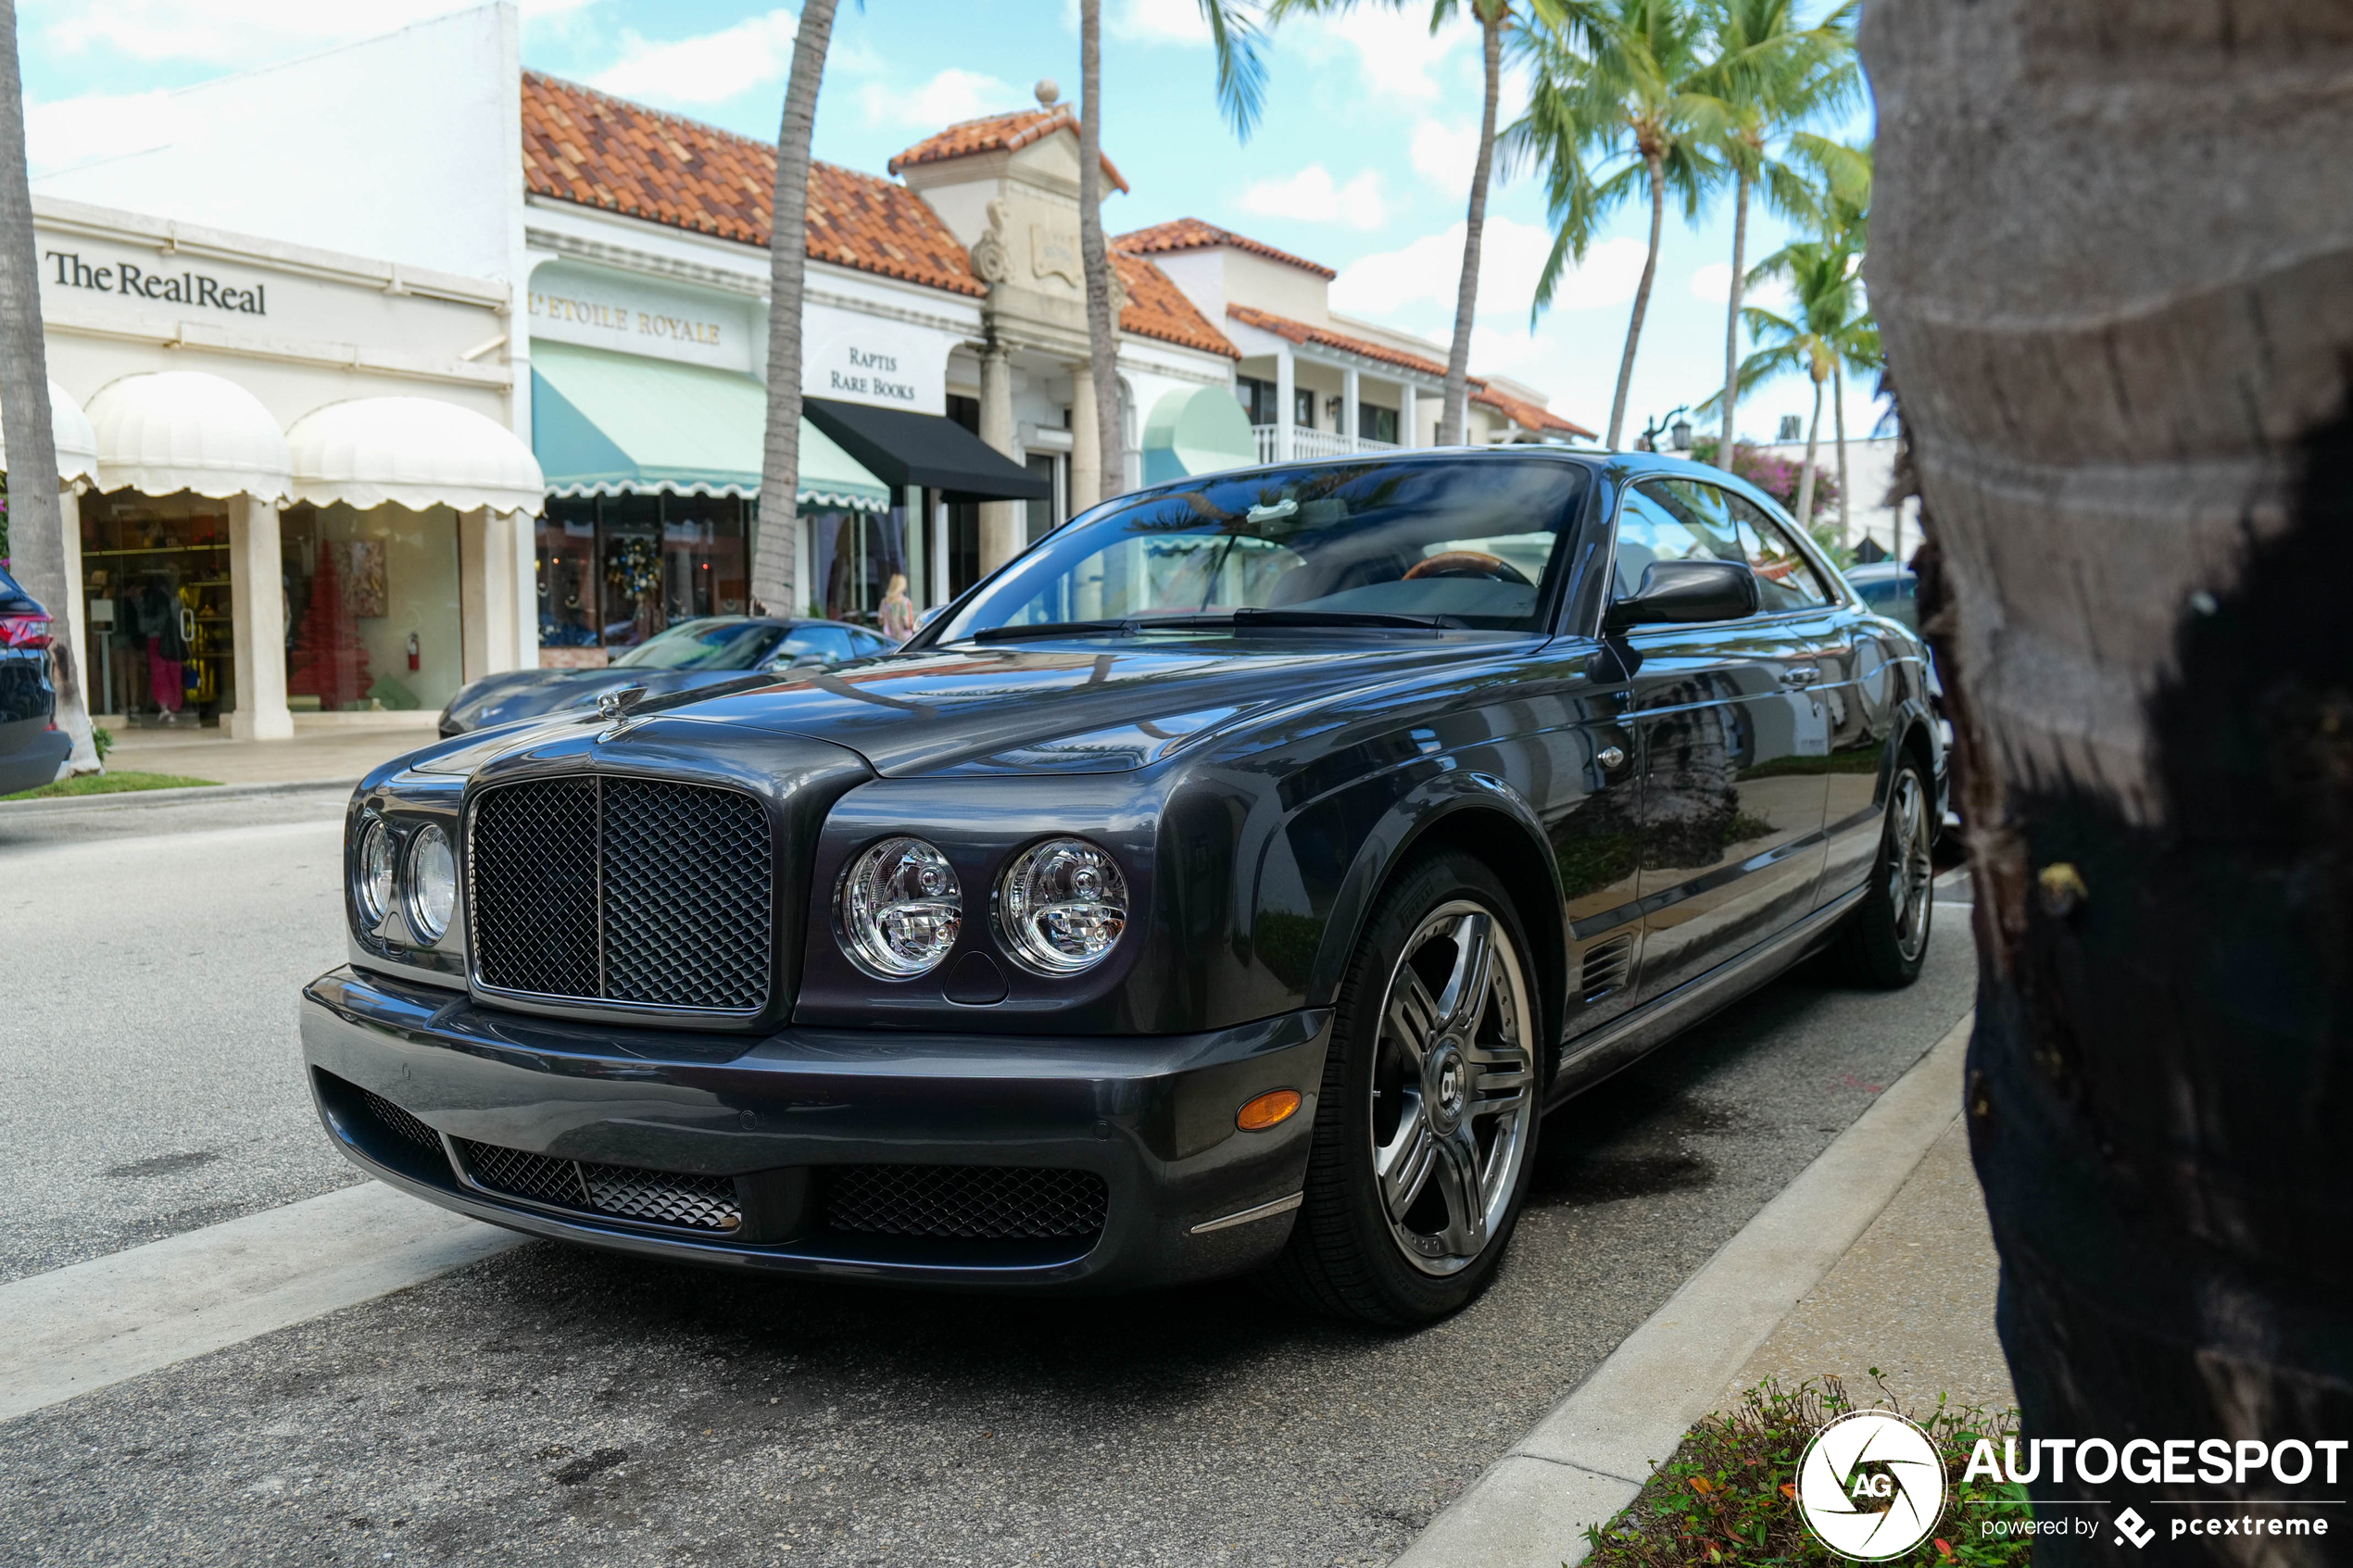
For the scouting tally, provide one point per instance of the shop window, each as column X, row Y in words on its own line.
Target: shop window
column 1258, row 398
column 156, row 577
column 614, row 570
column 374, row 617
column 570, row 627
column 853, row 558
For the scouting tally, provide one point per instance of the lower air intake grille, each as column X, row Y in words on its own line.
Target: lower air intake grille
column 995, row 1202
column 1605, row 966
column 652, row 1197
column 400, row 1121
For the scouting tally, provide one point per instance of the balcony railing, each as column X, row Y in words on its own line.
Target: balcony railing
column 1306, row 442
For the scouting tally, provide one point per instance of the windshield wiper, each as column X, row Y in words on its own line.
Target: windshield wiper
column 1048, row 629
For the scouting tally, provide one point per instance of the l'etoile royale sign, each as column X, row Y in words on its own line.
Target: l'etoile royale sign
column 183, row 287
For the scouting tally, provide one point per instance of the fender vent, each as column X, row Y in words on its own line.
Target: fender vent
column 1605, row 966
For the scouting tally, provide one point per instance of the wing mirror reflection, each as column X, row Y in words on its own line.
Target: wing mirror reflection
column 1681, row 592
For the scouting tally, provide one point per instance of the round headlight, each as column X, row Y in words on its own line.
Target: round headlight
column 900, row 909
column 371, row 874
column 433, row 884
column 1063, row 905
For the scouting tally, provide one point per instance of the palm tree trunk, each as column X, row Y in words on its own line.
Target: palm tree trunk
column 1454, row 418
column 1733, row 321
column 1805, row 475
column 2152, row 723
column 36, row 524
column 1838, row 415
column 1641, row 300
column 773, row 571
column 1102, row 331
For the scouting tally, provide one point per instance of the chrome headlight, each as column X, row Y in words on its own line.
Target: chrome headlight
column 371, row 874
column 433, row 884
column 898, row 907
column 1062, row 905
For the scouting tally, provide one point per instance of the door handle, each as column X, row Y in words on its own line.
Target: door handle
column 1801, row 676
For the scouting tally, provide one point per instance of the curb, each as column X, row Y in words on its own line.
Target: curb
column 169, row 797
column 1588, row 1457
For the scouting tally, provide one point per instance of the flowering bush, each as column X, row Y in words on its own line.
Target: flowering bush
column 1778, row 476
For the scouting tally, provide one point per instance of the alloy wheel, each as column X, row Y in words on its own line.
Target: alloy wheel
column 1453, row 1099
column 1911, row 869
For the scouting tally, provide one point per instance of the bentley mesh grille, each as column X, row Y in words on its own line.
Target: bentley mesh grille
column 400, row 1121
column 623, row 890
column 653, row 1197
column 997, row 1201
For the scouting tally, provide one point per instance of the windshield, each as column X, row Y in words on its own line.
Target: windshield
column 704, row 644
column 1469, row 542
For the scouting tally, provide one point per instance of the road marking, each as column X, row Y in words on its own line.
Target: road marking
column 1577, row 1466
column 77, row 1329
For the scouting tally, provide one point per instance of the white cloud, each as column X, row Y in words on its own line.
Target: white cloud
column 72, row 133
column 1511, row 260
column 1712, row 284
column 708, row 68
column 1313, row 195
column 1157, row 22
column 953, row 94
column 1443, row 154
column 1395, row 52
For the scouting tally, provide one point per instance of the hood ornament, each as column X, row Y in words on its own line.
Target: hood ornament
column 612, row 705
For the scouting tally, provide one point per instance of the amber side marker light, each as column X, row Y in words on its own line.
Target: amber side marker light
column 1268, row 1109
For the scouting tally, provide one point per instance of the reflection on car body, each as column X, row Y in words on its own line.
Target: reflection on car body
column 1228, row 883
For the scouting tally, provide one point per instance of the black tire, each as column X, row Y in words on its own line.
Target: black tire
column 1348, row 1255
column 1885, row 942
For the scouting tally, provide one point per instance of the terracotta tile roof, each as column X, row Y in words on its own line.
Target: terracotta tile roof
column 1157, row 307
column 1191, row 234
column 998, row 132
column 1529, row 415
column 581, row 145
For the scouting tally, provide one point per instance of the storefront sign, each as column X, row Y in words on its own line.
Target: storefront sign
column 180, row 288
column 862, row 358
column 621, row 318
column 570, row 303
column 868, row 375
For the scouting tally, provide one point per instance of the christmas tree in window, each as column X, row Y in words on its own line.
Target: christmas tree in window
column 329, row 662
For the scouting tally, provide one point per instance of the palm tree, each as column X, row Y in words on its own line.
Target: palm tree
column 1498, row 19
column 1618, row 111
column 2110, row 260
column 37, row 523
column 772, row 581
column 1769, row 75
column 1828, row 330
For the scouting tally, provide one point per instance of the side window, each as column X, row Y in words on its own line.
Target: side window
column 828, row 642
column 865, row 643
column 1785, row 579
column 1654, row 525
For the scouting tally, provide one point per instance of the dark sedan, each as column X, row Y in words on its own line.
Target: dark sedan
column 1228, row 883
column 32, row 748
column 690, row 655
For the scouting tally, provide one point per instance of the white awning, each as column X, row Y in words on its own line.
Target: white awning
column 77, row 443
column 166, row 431
column 413, row 452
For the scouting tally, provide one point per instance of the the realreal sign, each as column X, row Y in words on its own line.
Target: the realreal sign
column 180, row 288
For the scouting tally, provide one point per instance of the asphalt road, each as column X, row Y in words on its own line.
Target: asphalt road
column 561, row 1408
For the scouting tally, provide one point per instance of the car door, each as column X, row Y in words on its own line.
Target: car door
column 1733, row 745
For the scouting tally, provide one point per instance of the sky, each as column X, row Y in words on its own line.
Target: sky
column 1361, row 160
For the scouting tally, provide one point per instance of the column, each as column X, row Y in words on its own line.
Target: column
column 1349, row 427
column 257, row 621
column 1086, row 440
column 1286, row 382
column 491, row 584
column 942, row 590
column 93, row 696
column 1407, row 435
column 1002, row 523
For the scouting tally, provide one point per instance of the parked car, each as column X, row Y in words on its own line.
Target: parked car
column 1888, row 588
column 1228, row 884
column 690, row 655
column 31, row 747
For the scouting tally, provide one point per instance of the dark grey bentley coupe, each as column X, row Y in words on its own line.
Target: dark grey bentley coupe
column 1229, row 883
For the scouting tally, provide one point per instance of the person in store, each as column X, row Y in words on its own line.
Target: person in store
column 154, row 624
column 896, row 612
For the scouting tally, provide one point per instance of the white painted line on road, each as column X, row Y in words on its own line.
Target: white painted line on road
column 1586, row 1460
column 76, row 1329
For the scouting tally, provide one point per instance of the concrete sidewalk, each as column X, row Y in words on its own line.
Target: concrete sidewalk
column 328, row 747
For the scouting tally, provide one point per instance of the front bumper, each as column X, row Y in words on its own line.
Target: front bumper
column 1152, row 1116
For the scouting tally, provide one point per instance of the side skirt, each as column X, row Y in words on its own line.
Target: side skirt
column 1589, row 1059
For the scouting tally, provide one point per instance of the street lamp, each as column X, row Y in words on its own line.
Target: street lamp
column 1679, row 435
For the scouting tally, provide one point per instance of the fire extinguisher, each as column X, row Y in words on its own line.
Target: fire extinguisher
column 412, row 651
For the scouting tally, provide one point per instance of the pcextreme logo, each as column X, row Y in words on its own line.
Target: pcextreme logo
column 1871, row 1485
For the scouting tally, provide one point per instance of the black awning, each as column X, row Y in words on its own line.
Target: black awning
column 898, row 447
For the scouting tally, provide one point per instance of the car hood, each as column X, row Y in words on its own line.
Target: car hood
column 527, row 693
column 1100, row 706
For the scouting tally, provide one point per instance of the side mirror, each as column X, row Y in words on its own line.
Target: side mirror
column 1681, row 591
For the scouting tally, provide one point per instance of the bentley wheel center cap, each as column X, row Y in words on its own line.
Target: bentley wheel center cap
column 1448, row 1077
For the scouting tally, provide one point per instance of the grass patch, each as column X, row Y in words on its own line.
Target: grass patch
column 110, row 784
column 1729, row 1495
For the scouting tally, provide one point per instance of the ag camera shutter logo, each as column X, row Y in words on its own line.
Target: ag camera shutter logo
column 1871, row 1485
